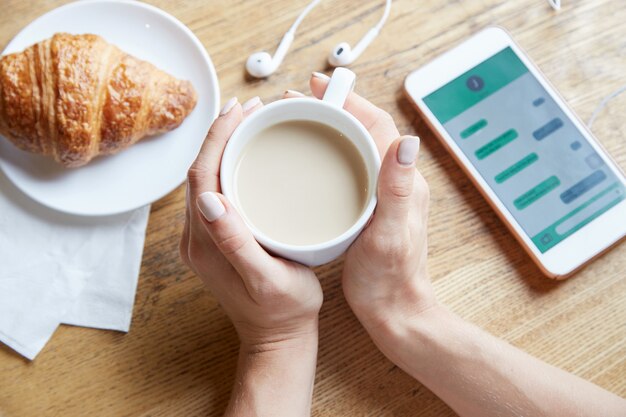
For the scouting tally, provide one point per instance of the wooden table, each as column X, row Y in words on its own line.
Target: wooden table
column 179, row 357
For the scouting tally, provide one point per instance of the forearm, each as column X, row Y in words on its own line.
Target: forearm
column 275, row 380
column 478, row 374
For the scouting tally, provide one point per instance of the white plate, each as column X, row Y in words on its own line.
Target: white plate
column 152, row 167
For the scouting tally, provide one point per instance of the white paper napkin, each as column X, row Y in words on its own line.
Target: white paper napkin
column 58, row 268
column 28, row 315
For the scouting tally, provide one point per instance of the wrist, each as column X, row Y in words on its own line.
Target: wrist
column 305, row 341
column 398, row 332
column 275, row 377
column 303, row 337
column 398, row 324
column 424, row 325
column 390, row 315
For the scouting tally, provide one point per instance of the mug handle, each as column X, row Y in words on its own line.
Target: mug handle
column 339, row 87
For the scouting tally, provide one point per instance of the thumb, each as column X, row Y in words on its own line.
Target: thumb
column 395, row 184
column 232, row 237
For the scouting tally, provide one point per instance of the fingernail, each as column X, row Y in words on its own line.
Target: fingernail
column 250, row 103
column 320, row 75
column 210, row 206
column 408, row 149
column 228, row 106
column 294, row 93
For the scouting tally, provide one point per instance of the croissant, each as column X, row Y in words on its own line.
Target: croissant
column 76, row 96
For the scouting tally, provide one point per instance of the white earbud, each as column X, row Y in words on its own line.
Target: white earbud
column 262, row 64
column 343, row 55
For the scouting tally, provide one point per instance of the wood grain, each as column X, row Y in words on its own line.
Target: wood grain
column 179, row 357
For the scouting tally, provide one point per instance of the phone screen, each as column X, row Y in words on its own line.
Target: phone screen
column 532, row 156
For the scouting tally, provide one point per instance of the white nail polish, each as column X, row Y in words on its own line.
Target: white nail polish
column 210, row 206
column 294, row 93
column 320, row 75
column 250, row 104
column 408, row 149
column 228, row 106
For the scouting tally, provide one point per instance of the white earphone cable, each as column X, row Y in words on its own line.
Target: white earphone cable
column 603, row 104
column 300, row 18
column 314, row 3
column 383, row 19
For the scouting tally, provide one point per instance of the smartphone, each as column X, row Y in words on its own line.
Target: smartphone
column 535, row 162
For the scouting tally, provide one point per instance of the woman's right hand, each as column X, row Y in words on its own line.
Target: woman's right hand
column 385, row 277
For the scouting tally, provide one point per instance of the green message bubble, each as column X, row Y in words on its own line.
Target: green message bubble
column 496, row 144
column 536, row 192
column 516, row 167
column 473, row 128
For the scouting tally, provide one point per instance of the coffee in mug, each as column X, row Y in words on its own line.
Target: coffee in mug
column 301, row 182
column 302, row 172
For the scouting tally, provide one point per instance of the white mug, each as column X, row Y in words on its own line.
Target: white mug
column 328, row 111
